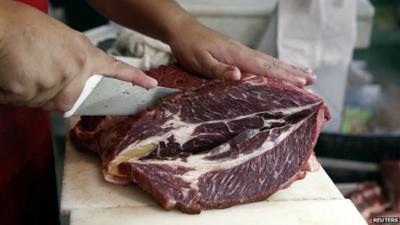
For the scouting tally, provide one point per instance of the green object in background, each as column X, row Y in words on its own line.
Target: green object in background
column 355, row 120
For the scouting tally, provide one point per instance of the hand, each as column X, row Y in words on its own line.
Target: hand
column 207, row 52
column 43, row 63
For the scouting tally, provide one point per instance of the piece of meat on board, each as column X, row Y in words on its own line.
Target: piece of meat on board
column 213, row 145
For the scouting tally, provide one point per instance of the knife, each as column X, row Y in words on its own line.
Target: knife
column 108, row 96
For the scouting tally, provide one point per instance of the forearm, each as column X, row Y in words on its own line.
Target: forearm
column 158, row 19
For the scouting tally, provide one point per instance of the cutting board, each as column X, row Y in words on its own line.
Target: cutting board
column 86, row 194
column 327, row 212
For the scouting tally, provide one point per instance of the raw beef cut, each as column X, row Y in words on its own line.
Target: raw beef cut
column 390, row 172
column 213, row 145
column 368, row 199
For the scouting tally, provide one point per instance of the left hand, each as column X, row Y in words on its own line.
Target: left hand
column 215, row 55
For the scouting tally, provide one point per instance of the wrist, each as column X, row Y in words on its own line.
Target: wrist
column 177, row 27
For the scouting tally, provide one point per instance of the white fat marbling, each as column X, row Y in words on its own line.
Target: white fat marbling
column 183, row 131
column 201, row 165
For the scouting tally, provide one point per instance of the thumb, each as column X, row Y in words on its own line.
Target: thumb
column 109, row 66
column 216, row 69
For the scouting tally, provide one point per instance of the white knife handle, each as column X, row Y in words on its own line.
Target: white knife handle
column 90, row 84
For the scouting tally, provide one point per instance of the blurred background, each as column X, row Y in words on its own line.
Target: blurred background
column 360, row 147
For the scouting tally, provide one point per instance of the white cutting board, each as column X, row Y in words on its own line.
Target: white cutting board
column 84, row 193
column 327, row 212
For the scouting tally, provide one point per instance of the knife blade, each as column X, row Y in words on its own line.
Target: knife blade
column 108, row 96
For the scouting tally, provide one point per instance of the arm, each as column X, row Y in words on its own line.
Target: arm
column 195, row 46
column 158, row 19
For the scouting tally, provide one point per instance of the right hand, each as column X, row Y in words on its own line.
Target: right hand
column 44, row 63
column 217, row 56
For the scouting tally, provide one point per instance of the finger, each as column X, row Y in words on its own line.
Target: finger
column 50, row 106
column 216, row 69
column 307, row 73
column 272, row 67
column 282, row 73
column 299, row 76
column 265, row 65
column 66, row 98
column 109, row 66
column 42, row 99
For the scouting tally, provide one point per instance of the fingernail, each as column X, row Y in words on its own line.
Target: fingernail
column 302, row 81
column 313, row 76
column 235, row 76
column 232, row 74
column 153, row 82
